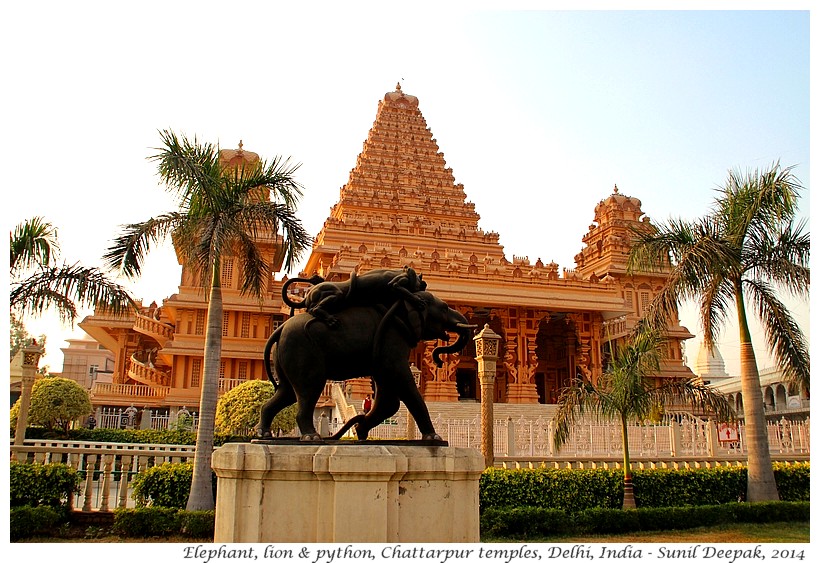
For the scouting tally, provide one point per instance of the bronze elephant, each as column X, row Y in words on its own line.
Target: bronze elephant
column 366, row 341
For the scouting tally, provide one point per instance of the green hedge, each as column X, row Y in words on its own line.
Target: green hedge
column 30, row 521
column 33, row 484
column 147, row 522
column 179, row 437
column 167, row 485
column 530, row 522
column 574, row 490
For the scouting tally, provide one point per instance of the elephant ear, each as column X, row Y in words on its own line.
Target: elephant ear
column 415, row 319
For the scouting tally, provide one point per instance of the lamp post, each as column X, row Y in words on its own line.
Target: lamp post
column 31, row 357
column 486, row 354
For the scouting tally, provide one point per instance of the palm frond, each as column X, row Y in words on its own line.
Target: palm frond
column 189, row 169
column 695, row 393
column 61, row 287
column 757, row 199
column 782, row 257
column 128, row 251
column 578, row 398
column 33, row 243
column 783, row 335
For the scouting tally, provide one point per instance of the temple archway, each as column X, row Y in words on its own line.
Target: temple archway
column 555, row 347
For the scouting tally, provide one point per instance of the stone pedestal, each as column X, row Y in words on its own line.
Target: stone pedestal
column 522, row 393
column 440, row 392
column 346, row 493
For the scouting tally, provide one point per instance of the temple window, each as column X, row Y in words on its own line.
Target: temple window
column 225, row 319
column 196, row 371
column 227, row 273
column 644, row 301
column 200, row 322
column 246, row 325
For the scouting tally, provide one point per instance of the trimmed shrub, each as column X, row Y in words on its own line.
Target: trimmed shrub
column 167, row 485
column 128, row 436
column 574, row 490
column 566, row 489
column 197, row 523
column 792, row 480
column 31, row 521
column 534, row 523
column 146, row 522
column 688, row 487
column 156, row 521
column 33, row 484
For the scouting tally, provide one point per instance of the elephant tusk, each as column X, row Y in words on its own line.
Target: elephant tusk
column 465, row 325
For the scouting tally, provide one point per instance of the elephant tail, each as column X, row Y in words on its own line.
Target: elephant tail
column 286, row 298
column 347, row 426
column 273, row 339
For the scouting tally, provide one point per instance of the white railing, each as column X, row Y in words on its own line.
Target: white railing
column 691, row 438
column 107, row 469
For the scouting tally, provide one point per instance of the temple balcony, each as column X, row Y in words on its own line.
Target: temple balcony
column 159, row 331
column 147, row 373
column 122, row 393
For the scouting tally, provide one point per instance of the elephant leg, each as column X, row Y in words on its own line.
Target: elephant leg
column 307, row 400
column 282, row 398
column 412, row 399
column 385, row 405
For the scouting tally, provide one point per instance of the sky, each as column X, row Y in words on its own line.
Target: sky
column 539, row 112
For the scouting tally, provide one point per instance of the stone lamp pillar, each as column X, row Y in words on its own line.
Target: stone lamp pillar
column 486, row 350
column 31, row 357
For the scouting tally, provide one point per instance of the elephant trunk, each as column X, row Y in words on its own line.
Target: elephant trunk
column 464, row 333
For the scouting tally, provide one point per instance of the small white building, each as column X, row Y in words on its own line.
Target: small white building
column 780, row 399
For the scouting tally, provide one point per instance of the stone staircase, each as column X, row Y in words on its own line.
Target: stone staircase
column 467, row 410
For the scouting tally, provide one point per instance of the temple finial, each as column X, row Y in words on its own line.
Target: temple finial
column 616, row 188
column 240, row 145
column 398, row 86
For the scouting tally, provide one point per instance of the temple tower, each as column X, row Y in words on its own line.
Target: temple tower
column 401, row 206
column 604, row 257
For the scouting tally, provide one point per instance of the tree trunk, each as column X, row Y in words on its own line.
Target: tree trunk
column 761, row 485
column 202, row 496
column 629, row 494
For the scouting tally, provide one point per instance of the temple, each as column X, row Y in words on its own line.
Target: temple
column 401, row 206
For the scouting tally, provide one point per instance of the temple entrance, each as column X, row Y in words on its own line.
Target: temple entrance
column 467, row 384
column 541, row 387
column 555, row 346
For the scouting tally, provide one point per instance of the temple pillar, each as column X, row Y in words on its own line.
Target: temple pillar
column 441, row 387
column 522, row 393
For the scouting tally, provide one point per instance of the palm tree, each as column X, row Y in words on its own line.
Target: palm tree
column 222, row 211
column 741, row 253
column 38, row 282
column 627, row 393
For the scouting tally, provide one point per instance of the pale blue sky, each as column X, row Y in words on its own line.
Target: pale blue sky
column 539, row 113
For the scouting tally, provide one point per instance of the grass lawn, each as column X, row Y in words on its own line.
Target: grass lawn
column 773, row 532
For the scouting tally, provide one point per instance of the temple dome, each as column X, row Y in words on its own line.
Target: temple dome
column 400, row 98
column 618, row 206
column 709, row 364
column 237, row 157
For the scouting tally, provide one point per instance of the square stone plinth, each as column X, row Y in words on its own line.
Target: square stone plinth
column 356, row 493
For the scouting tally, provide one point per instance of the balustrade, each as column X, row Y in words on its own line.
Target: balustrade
column 107, row 469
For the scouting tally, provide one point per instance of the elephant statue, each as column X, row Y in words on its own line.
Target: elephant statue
column 366, row 340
